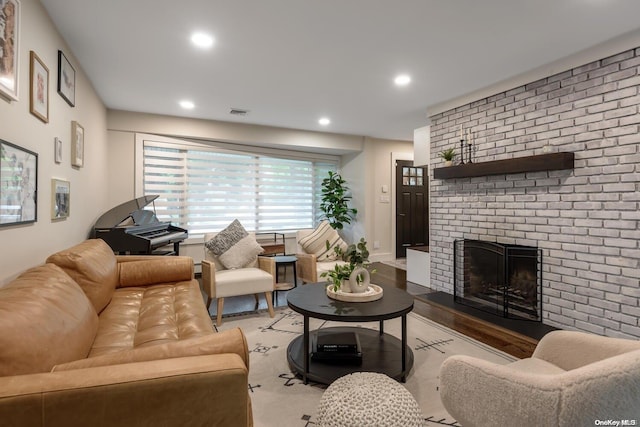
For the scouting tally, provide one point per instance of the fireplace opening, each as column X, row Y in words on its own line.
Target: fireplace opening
column 499, row 278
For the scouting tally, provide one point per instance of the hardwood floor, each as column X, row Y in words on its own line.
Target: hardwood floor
column 514, row 343
column 510, row 342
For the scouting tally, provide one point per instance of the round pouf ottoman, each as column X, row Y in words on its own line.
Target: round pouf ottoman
column 368, row 399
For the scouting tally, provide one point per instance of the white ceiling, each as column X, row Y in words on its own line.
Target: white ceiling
column 292, row 61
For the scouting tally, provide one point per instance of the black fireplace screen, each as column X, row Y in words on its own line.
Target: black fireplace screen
column 499, row 278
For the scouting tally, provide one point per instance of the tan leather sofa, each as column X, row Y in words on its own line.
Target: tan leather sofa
column 94, row 339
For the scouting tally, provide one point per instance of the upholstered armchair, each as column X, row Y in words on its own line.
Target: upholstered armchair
column 572, row 379
column 219, row 282
column 313, row 256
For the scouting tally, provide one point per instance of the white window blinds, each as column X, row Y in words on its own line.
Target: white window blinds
column 204, row 188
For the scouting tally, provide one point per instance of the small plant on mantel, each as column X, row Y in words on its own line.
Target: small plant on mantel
column 448, row 155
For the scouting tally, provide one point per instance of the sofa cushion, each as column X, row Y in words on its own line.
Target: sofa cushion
column 230, row 341
column 45, row 319
column 242, row 281
column 155, row 271
column 234, row 246
column 93, row 266
column 144, row 316
column 316, row 242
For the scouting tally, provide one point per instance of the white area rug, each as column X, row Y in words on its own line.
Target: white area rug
column 280, row 398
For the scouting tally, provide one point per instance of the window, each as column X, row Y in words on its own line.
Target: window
column 203, row 188
column 412, row 176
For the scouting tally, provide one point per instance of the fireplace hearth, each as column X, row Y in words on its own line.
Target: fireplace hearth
column 499, row 278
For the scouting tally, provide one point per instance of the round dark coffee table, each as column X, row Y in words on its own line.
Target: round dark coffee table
column 381, row 352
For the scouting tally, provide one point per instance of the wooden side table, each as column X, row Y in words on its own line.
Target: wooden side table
column 274, row 244
column 284, row 261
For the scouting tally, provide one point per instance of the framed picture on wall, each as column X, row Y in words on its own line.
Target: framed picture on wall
column 18, row 185
column 9, row 48
column 39, row 88
column 60, row 198
column 66, row 79
column 77, row 144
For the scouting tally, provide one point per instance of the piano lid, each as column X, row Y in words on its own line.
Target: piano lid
column 114, row 217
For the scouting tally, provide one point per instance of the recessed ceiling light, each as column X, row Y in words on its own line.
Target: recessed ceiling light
column 402, row 80
column 187, row 105
column 202, row 40
column 324, row 121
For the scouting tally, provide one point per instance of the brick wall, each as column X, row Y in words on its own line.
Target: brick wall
column 585, row 220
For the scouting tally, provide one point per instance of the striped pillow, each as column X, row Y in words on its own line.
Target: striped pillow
column 316, row 242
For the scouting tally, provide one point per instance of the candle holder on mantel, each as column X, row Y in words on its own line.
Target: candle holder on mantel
column 470, row 147
column 462, row 151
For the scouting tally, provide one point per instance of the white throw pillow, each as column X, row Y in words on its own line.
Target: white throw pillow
column 234, row 247
column 316, row 242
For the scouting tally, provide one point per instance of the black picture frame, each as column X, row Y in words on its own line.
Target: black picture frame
column 66, row 79
column 18, row 185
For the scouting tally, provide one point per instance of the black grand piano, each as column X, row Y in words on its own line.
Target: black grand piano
column 130, row 229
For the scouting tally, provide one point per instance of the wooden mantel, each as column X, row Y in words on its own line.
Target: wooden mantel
column 540, row 162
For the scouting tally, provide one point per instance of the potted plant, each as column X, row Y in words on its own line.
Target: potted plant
column 357, row 255
column 335, row 201
column 448, row 155
column 338, row 276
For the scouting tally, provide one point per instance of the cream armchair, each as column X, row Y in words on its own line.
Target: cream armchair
column 308, row 267
column 219, row 282
column 572, row 379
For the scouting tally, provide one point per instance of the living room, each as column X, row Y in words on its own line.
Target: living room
column 584, row 219
column 109, row 178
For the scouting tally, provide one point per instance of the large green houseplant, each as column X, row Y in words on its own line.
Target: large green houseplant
column 335, row 201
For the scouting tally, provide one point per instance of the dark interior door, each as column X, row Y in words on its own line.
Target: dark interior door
column 412, row 207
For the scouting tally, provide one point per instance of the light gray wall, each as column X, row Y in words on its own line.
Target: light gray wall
column 28, row 245
column 585, row 220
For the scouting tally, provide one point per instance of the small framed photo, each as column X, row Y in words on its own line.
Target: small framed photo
column 9, row 48
column 39, row 88
column 77, row 144
column 18, row 185
column 57, row 147
column 66, row 79
column 60, row 198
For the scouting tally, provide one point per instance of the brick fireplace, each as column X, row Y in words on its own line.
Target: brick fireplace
column 584, row 220
column 502, row 279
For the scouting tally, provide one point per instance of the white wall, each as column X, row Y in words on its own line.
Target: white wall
column 28, row 245
column 366, row 172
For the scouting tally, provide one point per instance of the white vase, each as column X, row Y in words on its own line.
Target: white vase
column 359, row 286
column 344, row 287
column 448, row 162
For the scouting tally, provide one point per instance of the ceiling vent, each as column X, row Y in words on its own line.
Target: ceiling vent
column 238, row 112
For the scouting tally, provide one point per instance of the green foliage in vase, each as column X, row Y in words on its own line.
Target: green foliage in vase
column 335, row 201
column 357, row 255
column 448, row 154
